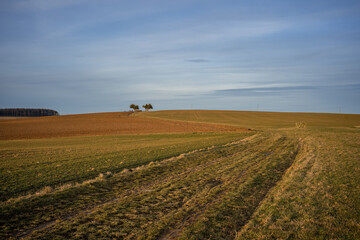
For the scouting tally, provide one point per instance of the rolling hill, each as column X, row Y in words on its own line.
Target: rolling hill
column 193, row 175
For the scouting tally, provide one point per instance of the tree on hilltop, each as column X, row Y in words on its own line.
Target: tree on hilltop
column 135, row 107
column 147, row 107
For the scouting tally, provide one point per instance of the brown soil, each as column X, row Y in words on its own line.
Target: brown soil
column 99, row 124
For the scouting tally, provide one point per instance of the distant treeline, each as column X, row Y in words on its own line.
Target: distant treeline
column 27, row 112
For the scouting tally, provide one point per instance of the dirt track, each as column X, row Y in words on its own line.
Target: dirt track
column 98, row 124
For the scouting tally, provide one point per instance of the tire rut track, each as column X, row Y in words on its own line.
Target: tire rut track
column 279, row 148
column 296, row 154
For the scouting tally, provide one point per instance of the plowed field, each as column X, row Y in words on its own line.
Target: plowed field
column 99, row 124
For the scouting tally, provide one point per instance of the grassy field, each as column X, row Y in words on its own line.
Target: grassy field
column 276, row 182
column 260, row 120
column 29, row 165
column 319, row 195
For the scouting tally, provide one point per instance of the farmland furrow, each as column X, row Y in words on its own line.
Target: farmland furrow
column 179, row 194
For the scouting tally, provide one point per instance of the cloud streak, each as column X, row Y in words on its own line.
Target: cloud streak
column 197, row 60
column 263, row 90
column 273, row 90
column 44, row 5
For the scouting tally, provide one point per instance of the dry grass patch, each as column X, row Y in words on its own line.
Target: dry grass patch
column 259, row 120
column 318, row 196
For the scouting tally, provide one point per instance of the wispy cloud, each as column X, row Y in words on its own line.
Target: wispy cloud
column 45, row 5
column 275, row 90
column 197, row 60
column 261, row 91
column 266, row 89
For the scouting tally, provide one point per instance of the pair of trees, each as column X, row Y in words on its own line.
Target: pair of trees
column 146, row 106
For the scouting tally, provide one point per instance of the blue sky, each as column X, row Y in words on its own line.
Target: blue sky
column 78, row 56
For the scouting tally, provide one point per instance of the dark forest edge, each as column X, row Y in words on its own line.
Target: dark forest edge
column 27, row 112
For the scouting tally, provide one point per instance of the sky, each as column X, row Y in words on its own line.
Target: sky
column 81, row 56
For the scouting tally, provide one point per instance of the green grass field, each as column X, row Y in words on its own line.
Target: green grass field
column 276, row 182
column 29, row 165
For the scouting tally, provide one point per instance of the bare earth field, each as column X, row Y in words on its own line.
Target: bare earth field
column 187, row 178
column 98, row 124
column 10, row 118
